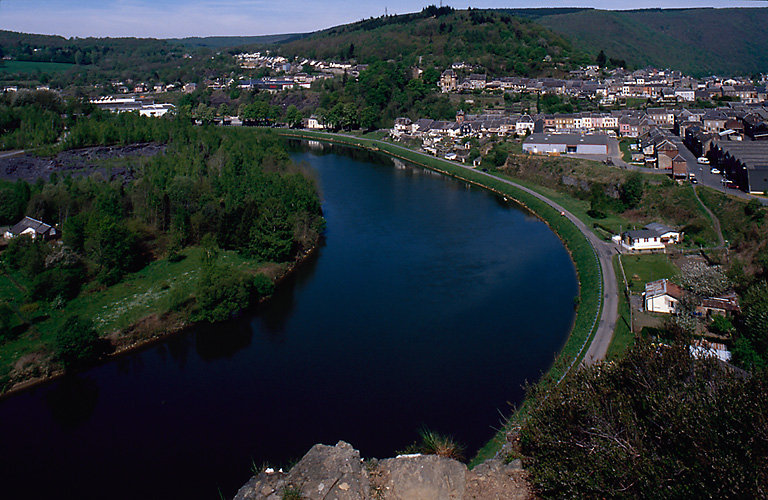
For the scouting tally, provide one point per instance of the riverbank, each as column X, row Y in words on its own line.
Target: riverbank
column 591, row 273
column 162, row 317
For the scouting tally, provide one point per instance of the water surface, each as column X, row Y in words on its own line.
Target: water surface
column 429, row 304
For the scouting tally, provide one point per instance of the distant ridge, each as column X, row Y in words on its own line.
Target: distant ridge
column 216, row 42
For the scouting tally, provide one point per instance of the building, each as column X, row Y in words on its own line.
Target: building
column 662, row 296
column 639, row 240
column 32, row 228
column 667, row 235
column 567, row 144
column 743, row 162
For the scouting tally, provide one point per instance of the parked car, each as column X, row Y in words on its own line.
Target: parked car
column 713, row 170
column 692, row 178
column 703, row 160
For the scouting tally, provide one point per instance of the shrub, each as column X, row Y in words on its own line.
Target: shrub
column 433, row 443
column 223, row 291
column 77, row 343
column 658, row 423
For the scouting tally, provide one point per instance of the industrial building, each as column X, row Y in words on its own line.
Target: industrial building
column 743, row 162
column 567, row 144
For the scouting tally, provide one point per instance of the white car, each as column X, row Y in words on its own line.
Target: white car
column 714, row 171
column 703, row 160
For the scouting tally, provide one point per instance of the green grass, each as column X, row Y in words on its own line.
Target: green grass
column 158, row 288
column 32, row 67
column 641, row 269
column 622, row 334
column 626, row 153
column 582, row 254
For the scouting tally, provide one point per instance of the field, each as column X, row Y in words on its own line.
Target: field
column 33, row 67
column 640, row 269
column 622, row 335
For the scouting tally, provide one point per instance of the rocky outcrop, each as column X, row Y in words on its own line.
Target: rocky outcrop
column 338, row 473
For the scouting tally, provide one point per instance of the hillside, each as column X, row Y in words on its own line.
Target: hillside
column 500, row 42
column 696, row 41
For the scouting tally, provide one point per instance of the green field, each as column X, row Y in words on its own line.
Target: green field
column 641, row 269
column 622, row 335
column 33, row 67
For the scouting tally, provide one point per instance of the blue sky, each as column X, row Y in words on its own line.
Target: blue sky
column 178, row 18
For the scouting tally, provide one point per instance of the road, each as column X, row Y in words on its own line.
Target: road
column 598, row 348
column 8, row 154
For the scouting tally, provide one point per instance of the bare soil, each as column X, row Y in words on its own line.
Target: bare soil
column 77, row 163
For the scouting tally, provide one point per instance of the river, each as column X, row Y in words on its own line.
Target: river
column 429, row 304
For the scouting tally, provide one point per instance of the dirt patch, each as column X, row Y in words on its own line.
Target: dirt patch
column 78, row 163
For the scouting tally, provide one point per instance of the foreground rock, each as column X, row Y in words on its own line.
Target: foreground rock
column 338, row 472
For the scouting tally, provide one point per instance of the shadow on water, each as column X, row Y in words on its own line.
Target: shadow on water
column 73, row 401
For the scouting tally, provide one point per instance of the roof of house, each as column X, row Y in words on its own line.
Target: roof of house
column 571, row 139
column 30, row 223
column 663, row 287
column 641, row 233
column 659, row 228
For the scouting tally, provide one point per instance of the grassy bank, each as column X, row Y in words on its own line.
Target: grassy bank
column 588, row 269
column 142, row 306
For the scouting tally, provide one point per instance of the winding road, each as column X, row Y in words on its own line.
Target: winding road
column 598, row 347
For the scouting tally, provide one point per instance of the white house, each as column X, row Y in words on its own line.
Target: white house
column 525, row 123
column 662, row 296
column 641, row 239
column 666, row 233
column 31, row 227
column 314, row 123
column 155, row 109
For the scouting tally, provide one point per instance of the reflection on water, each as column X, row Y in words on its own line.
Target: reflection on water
column 73, row 400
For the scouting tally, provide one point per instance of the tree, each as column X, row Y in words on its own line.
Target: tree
column 631, row 191
column 77, row 343
column 293, row 116
column 601, row 59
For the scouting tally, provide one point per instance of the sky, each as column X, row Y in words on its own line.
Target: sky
column 181, row 18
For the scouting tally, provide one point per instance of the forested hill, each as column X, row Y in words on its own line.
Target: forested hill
column 500, row 42
column 695, row 41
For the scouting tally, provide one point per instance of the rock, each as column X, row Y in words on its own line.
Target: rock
column 425, row 477
column 337, row 473
column 325, row 472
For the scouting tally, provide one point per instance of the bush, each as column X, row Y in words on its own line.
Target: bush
column 223, row 291
column 437, row 444
column 77, row 343
column 656, row 424
column 55, row 283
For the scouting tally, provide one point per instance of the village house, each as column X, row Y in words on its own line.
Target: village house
column 662, row 296
column 32, row 228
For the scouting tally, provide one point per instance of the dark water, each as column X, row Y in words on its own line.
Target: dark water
column 429, row 305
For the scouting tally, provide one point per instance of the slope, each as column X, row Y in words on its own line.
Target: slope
column 500, row 42
column 695, row 41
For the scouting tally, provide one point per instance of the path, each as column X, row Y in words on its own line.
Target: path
column 598, row 348
column 715, row 220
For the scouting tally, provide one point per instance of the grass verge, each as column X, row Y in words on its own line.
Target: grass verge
column 622, row 334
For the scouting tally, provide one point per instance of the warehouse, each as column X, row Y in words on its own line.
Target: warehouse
column 567, row 144
column 745, row 163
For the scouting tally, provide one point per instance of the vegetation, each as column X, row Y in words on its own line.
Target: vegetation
column 432, row 443
column 231, row 192
column 656, row 422
column 696, row 41
column 497, row 41
column 77, row 343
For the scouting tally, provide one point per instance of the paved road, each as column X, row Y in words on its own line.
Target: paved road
column 610, row 296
